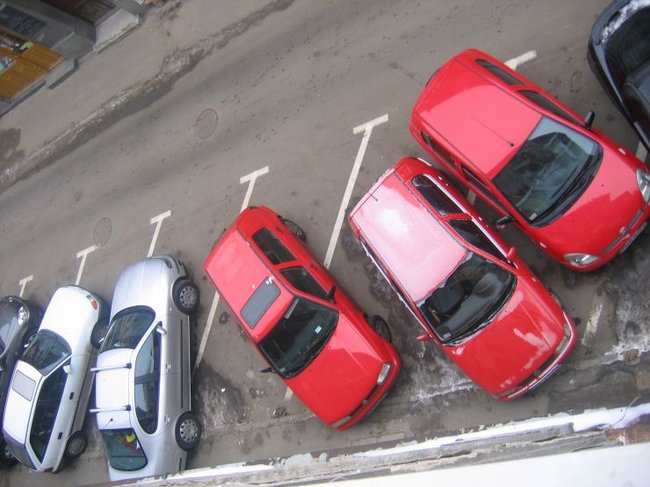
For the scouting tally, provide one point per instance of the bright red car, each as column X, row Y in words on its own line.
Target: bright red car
column 579, row 196
column 310, row 332
column 474, row 297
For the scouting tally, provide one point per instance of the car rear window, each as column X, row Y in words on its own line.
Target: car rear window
column 123, row 449
column 261, row 300
column 500, row 73
column 435, row 196
column 274, row 250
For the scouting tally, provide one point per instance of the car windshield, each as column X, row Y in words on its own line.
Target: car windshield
column 468, row 299
column 46, row 351
column 123, row 449
column 298, row 337
column 628, row 45
column 549, row 172
column 127, row 328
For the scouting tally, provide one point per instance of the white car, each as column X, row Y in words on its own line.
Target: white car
column 51, row 384
column 143, row 382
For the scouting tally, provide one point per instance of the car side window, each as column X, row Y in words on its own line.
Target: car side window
column 437, row 148
column 473, row 234
column 147, row 383
column 546, row 104
column 480, row 185
column 274, row 250
column 301, row 279
column 47, row 407
column 499, row 72
column 435, row 196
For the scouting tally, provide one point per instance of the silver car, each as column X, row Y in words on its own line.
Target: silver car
column 142, row 382
column 51, row 384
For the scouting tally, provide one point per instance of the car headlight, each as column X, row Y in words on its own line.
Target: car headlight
column 643, row 179
column 383, row 373
column 580, row 260
column 565, row 339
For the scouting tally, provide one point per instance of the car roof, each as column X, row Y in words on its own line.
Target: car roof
column 237, row 270
column 481, row 119
column 412, row 244
column 112, row 388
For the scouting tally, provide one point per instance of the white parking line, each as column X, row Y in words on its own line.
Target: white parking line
column 23, row 282
column 366, row 128
column 83, row 254
column 592, row 323
column 250, row 179
column 157, row 220
column 641, row 152
column 519, row 60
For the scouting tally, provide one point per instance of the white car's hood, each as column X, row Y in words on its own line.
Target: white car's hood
column 112, row 388
column 70, row 312
column 145, row 283
column 20, row 398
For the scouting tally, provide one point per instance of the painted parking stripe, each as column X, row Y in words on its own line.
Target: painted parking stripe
column 157, row 220
column 641, row 152
column 250, row 179
column 519, row 60
column 23, row 282
column 83, row 255
column 366, row 128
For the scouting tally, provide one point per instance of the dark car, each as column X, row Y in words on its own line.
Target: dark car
column 19, row 320
column 619, row 55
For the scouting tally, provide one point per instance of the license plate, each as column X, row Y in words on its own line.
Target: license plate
column 638, row 232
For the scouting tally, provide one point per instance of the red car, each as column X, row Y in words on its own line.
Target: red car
column 579, row 196
column 310, row 332
column 474, row 297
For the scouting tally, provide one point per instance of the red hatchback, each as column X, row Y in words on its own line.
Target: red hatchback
column 473, row 296
column 310, row 332
column 576, row 194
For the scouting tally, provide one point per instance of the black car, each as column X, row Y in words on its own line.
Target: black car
column 19, row 321
column 619, row 55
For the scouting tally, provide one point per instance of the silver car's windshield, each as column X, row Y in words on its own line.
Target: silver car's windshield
column 549, row 171
column 46, row 351
column 123, row 449
column 299, row 336
column 128, row 327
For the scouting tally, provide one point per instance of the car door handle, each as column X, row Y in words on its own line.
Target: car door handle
column 168, row 366
column 167, row 419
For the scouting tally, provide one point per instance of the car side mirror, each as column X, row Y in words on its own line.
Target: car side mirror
column 423, row 338
column 500, row 223
column 330, row 295
column 589, row 120
column 67, row 369
column 267, row 370
column 159, row 329
column 512, row 252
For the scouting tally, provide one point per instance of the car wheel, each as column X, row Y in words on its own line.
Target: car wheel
column 6, row 456
column 295, row 229
column 76, row 445
column 188, row 431
column 186, row 296
column 99, row 333
column 382, row 328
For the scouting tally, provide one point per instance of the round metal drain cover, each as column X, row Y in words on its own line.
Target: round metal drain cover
column 206, row 123
column 103, row 230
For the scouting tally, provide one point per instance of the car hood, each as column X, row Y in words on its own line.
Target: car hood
column 518, row 340
column 18, row 406
column 146, row 283
column 112, row 388
column 341, row 376
column 71, row 313
column 614, row 188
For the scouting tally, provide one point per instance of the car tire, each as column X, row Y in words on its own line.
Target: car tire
column 6, row 457
column 381, row 328
column 186, row 296
column 76, row 445
column 99, row 334
column 188, row 431
column 295, row 229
